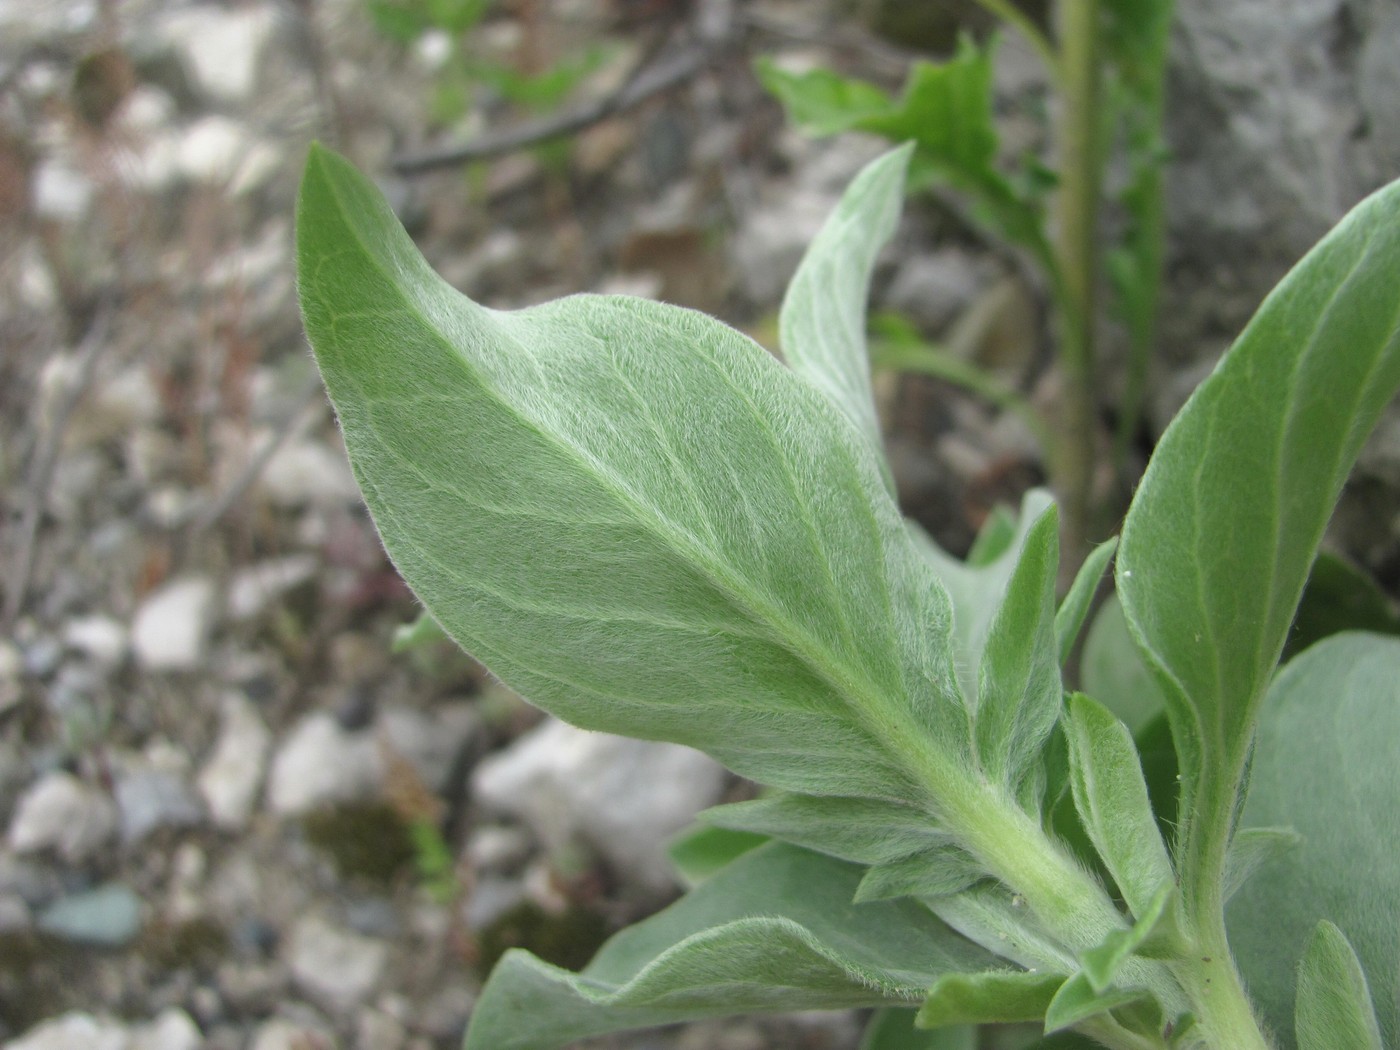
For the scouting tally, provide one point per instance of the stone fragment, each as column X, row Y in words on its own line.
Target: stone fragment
column 62, row 813
column 172, row 1029
column 233, row 774
column 307, row 473
column 108, row 916
column 150, row 799
column 221, row 47
column 172, row 625
column 622, row 797
column 100, row 638
column 336, row 966
column 74, row 1031
column 434, row 742
column 320, row 763
column 254, row 588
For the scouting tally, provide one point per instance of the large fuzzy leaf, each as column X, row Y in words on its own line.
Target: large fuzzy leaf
column 775, row 930
column 1325, row 764
column 822, row 323
column 633, row 515
column 1225, row 524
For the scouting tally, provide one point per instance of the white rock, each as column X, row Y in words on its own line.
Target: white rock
column 146, row 109
column 623, row 797
column 74, row 1031
column 336, row 966
column 172, row 625
column 98, row 637
column 150, row 799
column 377, row 1030
column 233, row 774
column 62, row 813
column 173, row 1029
column 307, row 472
column 432, row 743
column 222, row 47
column 253, row 589
column 278, row 1034
column 60, row 193
column 223, row 152
column 321, row 763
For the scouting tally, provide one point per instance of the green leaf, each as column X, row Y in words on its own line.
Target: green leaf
column 1101, row 965
column 702, row 851
column 1113, row 673
column 1250, row 850
column 893, row 1029
column 1077, row 1001
column 822, row 323
column 947, row 109
column 1339, row 597
column 992, row 997
column 1334, row 1001
column 422, row 631
column 1110, row 795
column 977, row 588
column 938, row 872
column 634, row 516
column 776, row 930
column 1019, row 691
column 820, row 101
column 1074, row 610
column 866, row 831
column 1223, row 530
column 1325, row 764
column 997, row 919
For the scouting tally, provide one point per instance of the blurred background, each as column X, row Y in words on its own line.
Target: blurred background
column 235, row 812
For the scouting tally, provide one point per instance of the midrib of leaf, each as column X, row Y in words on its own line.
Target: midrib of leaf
column 929, row 763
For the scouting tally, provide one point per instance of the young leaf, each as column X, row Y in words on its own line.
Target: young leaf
column 1074, row 610
column 893, row 1029
column 1111, row 797
column 422, row 631
column 822, row 323
column 1076, row 1001
column 997, row 919
column 977, row 588
column 702, row 851
column 633, row 515
column 1018, row 696
column 1325, row 764
column 1334, row 1001
column 774, row 930
column 866, row 831
column 938, row 872
column 986, row 998
column 1102, row 964
column 1225, row 524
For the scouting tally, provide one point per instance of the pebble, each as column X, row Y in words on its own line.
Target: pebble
column 221, row 47
column 173, row 1029
column 278, row 1034
column 150, row 799
column 433, row 743
column 100, row 638
column 108, row 916
column 932, row 290
column 252, row 590
column 376, row 1030
column 62, row 813
column 74, row 1031
column 567, row 783
column 318, row 763
column 233, row 774
column 335, row 965
column 304, row 473
column 172, row 625
column 60, row 193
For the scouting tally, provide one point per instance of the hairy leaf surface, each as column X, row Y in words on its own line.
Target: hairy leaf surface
column 1222, row 532
column 633, row 515
column 775, row 930
column 1334, row 1002
column 821, row 327
column 1325, row 765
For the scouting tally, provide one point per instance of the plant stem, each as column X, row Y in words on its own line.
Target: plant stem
column 1076, row 249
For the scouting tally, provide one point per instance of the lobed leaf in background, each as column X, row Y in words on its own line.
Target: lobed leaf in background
column 946, row 109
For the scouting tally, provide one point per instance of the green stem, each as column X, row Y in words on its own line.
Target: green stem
column 1076, row 249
